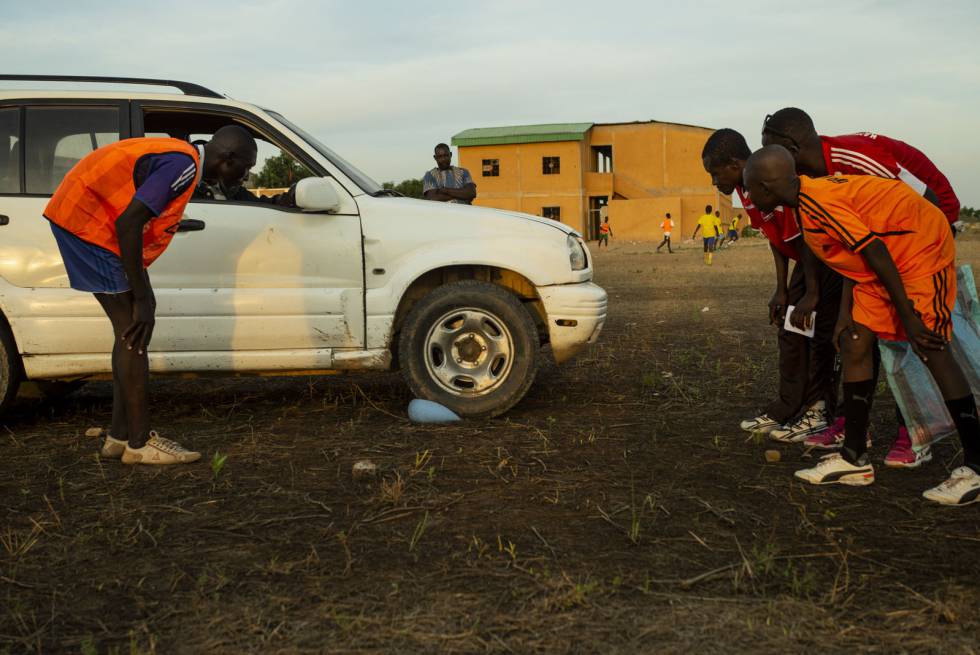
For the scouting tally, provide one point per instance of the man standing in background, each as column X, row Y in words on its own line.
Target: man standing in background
column 448, row 183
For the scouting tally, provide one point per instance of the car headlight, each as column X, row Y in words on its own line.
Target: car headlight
column 576, row 253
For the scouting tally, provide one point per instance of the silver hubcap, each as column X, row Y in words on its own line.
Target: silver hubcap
column 468, row 351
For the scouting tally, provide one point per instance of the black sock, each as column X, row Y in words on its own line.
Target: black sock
column 857, row 414
column 964, row 413
column 899, row 417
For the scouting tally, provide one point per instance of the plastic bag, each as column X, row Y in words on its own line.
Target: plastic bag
column 915, row 391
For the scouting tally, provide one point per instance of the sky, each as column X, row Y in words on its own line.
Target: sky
column 382, row 82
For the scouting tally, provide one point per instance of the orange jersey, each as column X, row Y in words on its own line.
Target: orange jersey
column 840, row 215
column 667, row 225
column 604, row 228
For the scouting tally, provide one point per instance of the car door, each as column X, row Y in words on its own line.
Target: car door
column 271, row 287
column 40, row 140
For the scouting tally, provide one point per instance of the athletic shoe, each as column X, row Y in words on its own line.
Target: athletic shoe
column 962, row 488
column 832, row 438
column 761, row 423
column 902, row 455
column 834, row 469
column 159, row 451
column 112, row 448
column 814, row 421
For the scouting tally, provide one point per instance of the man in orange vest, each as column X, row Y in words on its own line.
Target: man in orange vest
column 114, row 213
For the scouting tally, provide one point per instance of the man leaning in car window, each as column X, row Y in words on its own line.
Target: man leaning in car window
column 447, row 183
column 218, row 190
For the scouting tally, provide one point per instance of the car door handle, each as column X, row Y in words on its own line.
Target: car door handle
column 190, row 225
column 4, row 219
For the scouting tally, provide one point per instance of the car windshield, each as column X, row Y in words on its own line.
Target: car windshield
column 351, row 171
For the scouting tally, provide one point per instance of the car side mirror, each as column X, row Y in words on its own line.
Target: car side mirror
column 317, row 194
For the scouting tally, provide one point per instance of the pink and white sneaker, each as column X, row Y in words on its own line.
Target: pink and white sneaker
column 902, row 455
column 830, row 439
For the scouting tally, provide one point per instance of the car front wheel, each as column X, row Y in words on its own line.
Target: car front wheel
column 471, row 346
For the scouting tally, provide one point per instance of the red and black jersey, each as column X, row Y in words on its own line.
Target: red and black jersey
column 779, row 226
column 866, row 153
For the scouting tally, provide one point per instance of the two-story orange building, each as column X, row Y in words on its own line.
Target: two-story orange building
column 569, row 171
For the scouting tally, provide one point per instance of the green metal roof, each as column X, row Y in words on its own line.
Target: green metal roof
column 495, row 136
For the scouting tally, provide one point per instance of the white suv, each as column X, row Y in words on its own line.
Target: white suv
column 460, row 298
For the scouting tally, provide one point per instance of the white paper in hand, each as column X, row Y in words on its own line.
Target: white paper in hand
column 789, row 326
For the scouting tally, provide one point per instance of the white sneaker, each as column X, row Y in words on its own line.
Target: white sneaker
column 834, row 469
column 112, row 448
column 159, row 451
column 962, row 488
column 762, row 423
column 814, row 421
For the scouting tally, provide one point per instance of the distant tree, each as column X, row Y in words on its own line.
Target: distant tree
column 280, row 171
column 411, row 188
column 969, row 214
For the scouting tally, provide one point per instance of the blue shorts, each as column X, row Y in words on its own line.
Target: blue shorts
column 90, row 268
column 732, row 234
column 709, row 242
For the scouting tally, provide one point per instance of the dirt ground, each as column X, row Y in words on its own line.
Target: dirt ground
column 617, row 509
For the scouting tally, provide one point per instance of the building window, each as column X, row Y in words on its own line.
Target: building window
column 554, row 213
column 491, row 168
column 551, row 165
column 602, row 159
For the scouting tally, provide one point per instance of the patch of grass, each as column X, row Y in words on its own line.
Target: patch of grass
column 419, row 531
column 391, row 492
column 218, row 464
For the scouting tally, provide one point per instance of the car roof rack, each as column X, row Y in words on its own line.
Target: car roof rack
column 188, row 88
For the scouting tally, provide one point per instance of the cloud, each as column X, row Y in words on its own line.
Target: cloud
column 382, row 81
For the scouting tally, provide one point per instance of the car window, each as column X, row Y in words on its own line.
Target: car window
column 10, row 150
column 360, row 179
column 276, row 169
column 57, row 138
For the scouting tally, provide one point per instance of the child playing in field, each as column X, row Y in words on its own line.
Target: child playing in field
column 667, row 225
column 733, row 229
column 896, row 250
column 719, row 231
column 708, row 233
column 605, row 231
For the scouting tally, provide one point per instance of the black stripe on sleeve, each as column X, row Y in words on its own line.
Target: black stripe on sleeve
column 825, row 227
column 815, row 207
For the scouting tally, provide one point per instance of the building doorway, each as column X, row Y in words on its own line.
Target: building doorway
column 596, row 203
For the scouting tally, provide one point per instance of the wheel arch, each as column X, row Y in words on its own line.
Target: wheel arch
column 516, row 283
column 5, row 323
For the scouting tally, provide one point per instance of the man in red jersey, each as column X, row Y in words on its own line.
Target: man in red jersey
column 863, row 153
column 807, row 380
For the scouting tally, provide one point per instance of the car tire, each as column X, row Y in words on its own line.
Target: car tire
column 11, row 372
column 470, row 346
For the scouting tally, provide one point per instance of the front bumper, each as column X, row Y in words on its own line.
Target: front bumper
column 575, row 314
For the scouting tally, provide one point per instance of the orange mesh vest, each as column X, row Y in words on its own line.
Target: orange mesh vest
column 99, row 187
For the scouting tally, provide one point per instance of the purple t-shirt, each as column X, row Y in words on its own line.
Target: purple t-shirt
column 162, row 177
